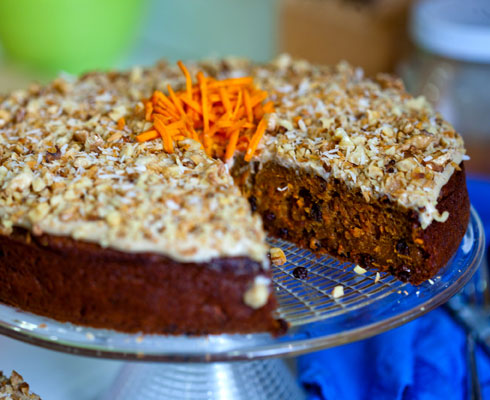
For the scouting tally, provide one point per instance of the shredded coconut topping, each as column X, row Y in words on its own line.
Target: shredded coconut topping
column 70, row 164
column 61, row 175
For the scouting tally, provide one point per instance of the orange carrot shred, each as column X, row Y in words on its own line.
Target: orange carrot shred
column 268, row 107
column 175, row 100
column 204, row 100
column 167, row 140
column 121, row 123
column 230, row 148
column 255, row 139
column 232, row 81
column 188, row 80
column 148, row 110
column 148, row 135
column 238, row 105
column 248, row 105
column 225, row 100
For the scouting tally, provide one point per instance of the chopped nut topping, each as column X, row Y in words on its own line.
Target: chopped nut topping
column 369, row 134
column 277, row 256
column 69, row 164
column 14, row 388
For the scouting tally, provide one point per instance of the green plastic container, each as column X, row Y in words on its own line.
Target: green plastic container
column 69, row 35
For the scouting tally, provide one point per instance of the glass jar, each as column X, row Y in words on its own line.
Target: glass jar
column 451, row 67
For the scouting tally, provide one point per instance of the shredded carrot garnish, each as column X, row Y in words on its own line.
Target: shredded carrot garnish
column 248, row 105
column 121, row 123
column 188, row 79
column 223, row 115
column 256, row 139
column 148, row 135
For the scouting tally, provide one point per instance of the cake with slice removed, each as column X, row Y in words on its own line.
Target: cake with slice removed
column 118, row 212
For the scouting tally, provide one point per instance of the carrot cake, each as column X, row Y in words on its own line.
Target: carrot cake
column 137, row 200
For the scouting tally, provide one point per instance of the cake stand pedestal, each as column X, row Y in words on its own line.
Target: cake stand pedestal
column 248, row 366
column 259, row 380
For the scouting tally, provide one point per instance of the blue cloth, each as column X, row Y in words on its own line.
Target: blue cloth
column 424, row 359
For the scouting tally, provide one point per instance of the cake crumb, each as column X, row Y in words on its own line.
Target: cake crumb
column 42, row 326
column 277, row 256
column 378, row 276
column 430, row 281
column 90, row 336
column 359, row 270
column 139, row 339
column 338, row 291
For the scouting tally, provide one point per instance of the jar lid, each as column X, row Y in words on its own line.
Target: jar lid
column 458, row 29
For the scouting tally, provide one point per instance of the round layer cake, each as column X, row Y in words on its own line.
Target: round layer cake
column 163, row 236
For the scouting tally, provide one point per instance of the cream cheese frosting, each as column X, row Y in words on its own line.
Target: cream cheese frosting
column 67, row 168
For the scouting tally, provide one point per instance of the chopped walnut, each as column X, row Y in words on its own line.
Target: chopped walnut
column 277, row 256
column 14, row 388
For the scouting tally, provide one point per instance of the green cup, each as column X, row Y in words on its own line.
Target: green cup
column 69, row 35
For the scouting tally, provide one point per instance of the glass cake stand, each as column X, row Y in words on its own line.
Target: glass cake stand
column 201, row 367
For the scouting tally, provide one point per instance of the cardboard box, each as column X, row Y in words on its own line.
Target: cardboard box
column 371, row 34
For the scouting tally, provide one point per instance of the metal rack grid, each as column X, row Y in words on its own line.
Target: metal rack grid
column 311, row 299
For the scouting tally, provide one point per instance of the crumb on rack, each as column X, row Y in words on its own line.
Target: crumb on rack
column 277, row 256
column 338, row 291
column 359, row 270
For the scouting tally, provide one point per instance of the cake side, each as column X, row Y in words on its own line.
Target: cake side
column 326, row 216
column 82, row 283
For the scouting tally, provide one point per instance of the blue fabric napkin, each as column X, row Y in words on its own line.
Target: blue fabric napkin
column 424, row 359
